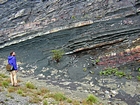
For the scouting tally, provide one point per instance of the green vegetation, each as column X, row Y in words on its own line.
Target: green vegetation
column 85, row 69
column 59, row 97
column 45, row 102
column 108, row 71
column 44, row 90
column 3, row 76
column 73, row 17
column 42, row 94
column 96, row 61
column 91, row 99
column 129, row 77
column 69, row 100
column 30, row 85
column 57, row 55
column 75, row 102
column 113, row 71
column 19, row 91
column 139, row 69
column 35, row 99
column 5, row 84
column 120, row 73
column 10, row 96
column 138, row 78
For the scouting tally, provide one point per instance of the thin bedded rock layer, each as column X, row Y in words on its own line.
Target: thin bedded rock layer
column 107, row 20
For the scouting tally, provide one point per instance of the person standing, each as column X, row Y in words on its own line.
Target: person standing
column 13, row 73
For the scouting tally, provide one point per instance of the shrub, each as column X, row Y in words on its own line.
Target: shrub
column 45, row 102
column 59, row 97
column 57, row 54
column 30, row 85
column 5, row 84
column 91, row 99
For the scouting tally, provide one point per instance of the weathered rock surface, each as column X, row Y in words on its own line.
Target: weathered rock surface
column 108, row 29
column 108, row 20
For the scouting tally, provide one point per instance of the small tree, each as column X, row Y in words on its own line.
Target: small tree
column 57, row 55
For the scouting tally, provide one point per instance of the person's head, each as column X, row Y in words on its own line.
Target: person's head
column 12, row 53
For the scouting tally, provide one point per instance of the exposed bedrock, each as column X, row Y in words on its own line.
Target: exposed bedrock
column 92, row 22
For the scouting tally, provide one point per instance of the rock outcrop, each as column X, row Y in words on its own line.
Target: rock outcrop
column 105, row 32
column 105, row 20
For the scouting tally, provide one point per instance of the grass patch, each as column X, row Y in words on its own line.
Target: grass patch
column 45, row 102
column 0, row 84
column 3, row 75
column 113, row 71
column 139, row 69
column 30, row 85
column 69, row 100
column 44, row 90
column 11, row 89
column 75, row 102
column 108, row 71
column 6, row 100
column 120, row 73
column 96, row 61
column 19, row 91
column 8, row 95
column 38, row 92
column 24, row 95
column 59, row 97
column 138, row 78
column 26, row 90
column 8, row 80
column 91, row 99
column 35, row 99
column 5, row 84
column 129, row 77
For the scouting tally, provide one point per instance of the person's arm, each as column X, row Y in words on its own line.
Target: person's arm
column 14, row 63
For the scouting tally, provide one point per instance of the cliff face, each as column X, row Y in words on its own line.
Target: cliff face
column 109, row 31
column 106, row 20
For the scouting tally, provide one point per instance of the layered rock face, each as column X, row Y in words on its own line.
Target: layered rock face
column 108, row 21
column 109, row 31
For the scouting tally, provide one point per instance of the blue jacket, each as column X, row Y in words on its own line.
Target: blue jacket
column 12, row 61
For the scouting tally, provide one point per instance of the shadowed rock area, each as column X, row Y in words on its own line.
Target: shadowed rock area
column 95, row 35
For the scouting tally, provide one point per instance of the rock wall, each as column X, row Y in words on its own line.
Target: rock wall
column 106, row 20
